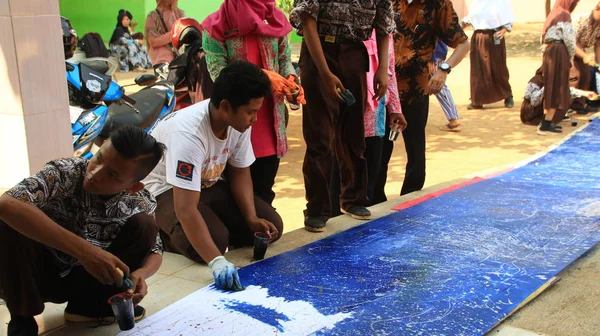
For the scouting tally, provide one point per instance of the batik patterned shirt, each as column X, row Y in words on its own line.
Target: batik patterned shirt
column 351, row 19
column 586, row 32
column 418, row 27
column 58, row 191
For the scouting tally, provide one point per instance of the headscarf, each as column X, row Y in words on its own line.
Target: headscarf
column 120, row 30
column 560, row 13
column 490, row 14
column 237, row 18
column 166, row 4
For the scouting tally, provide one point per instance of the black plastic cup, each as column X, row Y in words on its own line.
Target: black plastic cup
column 122, row 306
column 261, row 242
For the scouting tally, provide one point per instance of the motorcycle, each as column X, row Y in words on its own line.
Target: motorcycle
column 188, row 70
column 98, row 105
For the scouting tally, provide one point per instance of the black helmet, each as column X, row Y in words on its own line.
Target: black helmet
column 69, row 37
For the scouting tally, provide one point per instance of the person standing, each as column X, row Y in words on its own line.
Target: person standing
column 158, row 31
column 256, row 31
column 419, row 25
column 559, row 49
column 333, row 65
column 491, row 20
column 444, row 97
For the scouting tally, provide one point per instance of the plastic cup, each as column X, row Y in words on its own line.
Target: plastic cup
column 497, row 40
column 261, row 242
column 394, row 132
column 122, row 306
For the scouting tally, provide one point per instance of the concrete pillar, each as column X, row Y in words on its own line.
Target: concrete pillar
column 34, row 108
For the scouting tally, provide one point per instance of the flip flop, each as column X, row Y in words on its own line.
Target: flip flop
column 447, row 128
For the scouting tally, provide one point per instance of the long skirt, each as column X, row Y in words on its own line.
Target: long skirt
column 131, row 55
column 489, row 73
column 555, row 71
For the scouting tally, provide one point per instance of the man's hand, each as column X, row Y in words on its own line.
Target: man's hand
column 500, row 33
column 103, row 265
column 332, row 83
column 140, row 288
column 380, row 83
column 225, row 274
column 398, row 120
column 436, row 83
column 263, row 225
column 432, row 67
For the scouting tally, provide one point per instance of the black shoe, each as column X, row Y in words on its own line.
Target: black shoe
column 474, row 107
column 315, row 224
column 546, row 127
column 22, row 326
column 509, row 102
column 102, row 317
column 358, row 212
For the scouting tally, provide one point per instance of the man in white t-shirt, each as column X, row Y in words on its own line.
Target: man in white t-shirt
column 199, row 213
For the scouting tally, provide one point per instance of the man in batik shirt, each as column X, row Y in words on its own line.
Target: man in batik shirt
column 419, row 24
column 67, row 233
column 334, row 58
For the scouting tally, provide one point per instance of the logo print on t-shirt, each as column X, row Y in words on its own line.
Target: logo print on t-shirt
column 184, row 170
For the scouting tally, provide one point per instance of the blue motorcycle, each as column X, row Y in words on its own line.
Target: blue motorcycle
column 98, row 105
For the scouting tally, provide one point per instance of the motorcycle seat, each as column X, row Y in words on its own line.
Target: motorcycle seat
column 97, row 65
column 149, row 101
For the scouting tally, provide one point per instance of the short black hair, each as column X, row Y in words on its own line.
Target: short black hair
column 238, row 83
column 135, row 144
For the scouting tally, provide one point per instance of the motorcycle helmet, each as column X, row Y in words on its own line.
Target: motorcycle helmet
column 69, row 37
column 185, row 31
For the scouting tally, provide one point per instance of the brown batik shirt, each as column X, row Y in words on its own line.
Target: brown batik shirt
column 586, row 32
column 58, row 191
column 351, row 19
column 418, row 27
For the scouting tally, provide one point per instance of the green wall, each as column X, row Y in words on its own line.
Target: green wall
column 87, row 16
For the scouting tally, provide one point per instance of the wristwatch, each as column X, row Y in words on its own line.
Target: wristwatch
column 445, row 67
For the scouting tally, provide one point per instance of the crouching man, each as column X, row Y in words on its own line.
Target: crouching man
column 203, row 185
column 65, row 230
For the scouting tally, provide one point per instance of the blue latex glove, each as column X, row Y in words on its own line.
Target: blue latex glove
column 225, row 274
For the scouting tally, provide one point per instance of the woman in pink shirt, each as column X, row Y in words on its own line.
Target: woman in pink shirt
column 158, row 30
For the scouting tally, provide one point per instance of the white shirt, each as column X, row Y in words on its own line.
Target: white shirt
column 195, row 158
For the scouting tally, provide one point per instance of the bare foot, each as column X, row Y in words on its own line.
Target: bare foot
column 453, row 123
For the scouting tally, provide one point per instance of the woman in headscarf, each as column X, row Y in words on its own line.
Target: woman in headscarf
column 256, row 31
column 559, row 48
column 158, row 31
column 491, row 20
column 132, row 54
column 532, row 108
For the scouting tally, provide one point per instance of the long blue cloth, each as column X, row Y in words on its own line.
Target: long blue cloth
column 453, row 265
column 456, row 264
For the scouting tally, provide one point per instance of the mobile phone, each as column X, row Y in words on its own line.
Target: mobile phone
column 347, row 96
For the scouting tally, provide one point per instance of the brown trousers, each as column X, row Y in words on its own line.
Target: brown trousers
column 223, row 218
column 28, row 278
column 333, row 130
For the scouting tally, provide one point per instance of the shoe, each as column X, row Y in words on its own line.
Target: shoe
column 358, row 212
column 474, row 107
column 509, row 102
column 315, row 224
column 546, row 127
column 22, row 326
column 591, row 109
column 72, row 315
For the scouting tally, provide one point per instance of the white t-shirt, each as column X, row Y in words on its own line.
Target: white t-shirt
column 195, row 158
